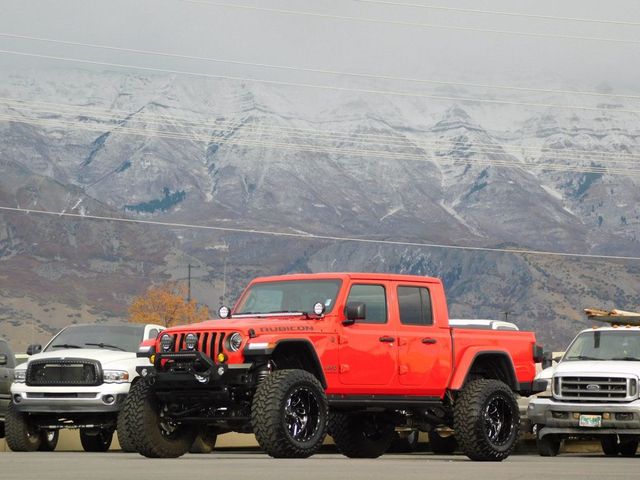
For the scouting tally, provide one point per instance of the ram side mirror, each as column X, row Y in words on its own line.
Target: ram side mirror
column 3, row 359
column 354, row 311
column 34, row 348
column 547, row 360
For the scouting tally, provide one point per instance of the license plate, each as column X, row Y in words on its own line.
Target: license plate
column 592, row 421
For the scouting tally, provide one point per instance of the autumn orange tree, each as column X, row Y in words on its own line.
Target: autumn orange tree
column 166, row 305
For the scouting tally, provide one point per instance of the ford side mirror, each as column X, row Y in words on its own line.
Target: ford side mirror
column 547, row 360
column 34, row 348
column 3, row 359
column 354, row 311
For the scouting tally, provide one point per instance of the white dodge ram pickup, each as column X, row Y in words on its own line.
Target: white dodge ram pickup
column 593, row 393
column 79, row 380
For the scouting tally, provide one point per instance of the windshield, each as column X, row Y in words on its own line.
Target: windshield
column 124, row 338
column 605, row 345
column 288, row 296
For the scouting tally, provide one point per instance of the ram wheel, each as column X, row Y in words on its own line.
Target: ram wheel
column 362, row 435
column 205, row 442
column 21, row 434
column 486, row 420
column 124, row 435
column 289, row 414
column 442, row 444
column 153, row 434
column 548, row 446
column 48, row 440
column 96, row 440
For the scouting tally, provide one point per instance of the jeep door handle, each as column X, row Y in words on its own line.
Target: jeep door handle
column 429, row 341
column 387, row 339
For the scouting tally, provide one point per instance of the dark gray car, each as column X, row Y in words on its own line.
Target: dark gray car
column 7, row 363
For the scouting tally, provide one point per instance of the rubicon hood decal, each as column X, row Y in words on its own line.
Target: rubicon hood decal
column 292, row 328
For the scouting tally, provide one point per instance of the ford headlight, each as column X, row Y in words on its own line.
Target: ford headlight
column 115, row 376
column 234, row 342
column 20, row 376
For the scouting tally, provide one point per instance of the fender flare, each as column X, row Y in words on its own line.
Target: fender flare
column 304, row 343
column 469, row 358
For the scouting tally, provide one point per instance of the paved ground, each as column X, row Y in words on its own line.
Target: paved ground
column 257, row 466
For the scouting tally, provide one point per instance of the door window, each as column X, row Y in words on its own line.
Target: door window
column 375, row 299
column 415, row 306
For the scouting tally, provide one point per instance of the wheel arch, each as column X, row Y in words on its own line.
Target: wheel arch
column 298, row 353
column 490, row 364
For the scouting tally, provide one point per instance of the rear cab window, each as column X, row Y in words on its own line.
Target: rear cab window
column 414, row 305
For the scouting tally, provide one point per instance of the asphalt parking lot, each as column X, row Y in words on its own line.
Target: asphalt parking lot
column 256, row 465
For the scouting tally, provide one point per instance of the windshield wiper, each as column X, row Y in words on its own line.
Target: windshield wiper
column 105, row 345
column 627, row 359
column 65, row 345
column 582, row 357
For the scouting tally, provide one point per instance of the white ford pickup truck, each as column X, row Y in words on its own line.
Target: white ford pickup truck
column 593, row 393
column 79, row 380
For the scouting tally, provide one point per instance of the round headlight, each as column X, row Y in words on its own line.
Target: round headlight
column 166, row 342
column 190, row 341
column 224, row 312
column 318, row 308
column 235, row 341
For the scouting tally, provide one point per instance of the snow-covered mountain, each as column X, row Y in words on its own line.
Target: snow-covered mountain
column 348, row 164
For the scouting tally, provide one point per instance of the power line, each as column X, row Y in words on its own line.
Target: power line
column 410, row 24
column 501, row 13
column 313, row 70
column 310, row 236
column 328, row 150
column 314, row 86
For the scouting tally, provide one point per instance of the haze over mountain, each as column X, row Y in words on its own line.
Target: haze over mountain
column 346, row 164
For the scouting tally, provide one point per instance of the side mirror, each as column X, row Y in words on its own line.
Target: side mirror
column 547, row 360
column 34, row 348
column 354, row 311
column 3, row 359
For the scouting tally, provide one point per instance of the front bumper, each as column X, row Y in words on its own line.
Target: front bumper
column 553, row 417
column 104, row 398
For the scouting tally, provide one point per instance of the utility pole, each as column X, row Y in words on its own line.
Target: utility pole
column 189, row 267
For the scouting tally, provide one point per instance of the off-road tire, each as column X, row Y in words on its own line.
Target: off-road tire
column 49, row 440
column 21, row 436
column 141, row 414
column 1, row 429
column 442, row 445
column 486, row 420
column 96, row 441
column 124, row 435
column 205, row 442
column 361, row 435
column 609, row 444
column 548, row 446
column 271, row 423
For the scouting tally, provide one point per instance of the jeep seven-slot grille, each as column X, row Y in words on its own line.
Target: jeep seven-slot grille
column 209, row 343
column 64, row 372
column 595, row 389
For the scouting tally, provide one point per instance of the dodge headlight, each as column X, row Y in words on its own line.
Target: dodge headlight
column 20, row 376
column 115, row 376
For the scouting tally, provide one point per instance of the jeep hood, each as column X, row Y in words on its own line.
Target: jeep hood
column 588, row 368
column 261, row 325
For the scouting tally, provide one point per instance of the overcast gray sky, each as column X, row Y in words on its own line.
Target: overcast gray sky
column 183, row 27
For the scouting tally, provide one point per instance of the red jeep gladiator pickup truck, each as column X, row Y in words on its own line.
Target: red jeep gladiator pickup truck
column 355, row 355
